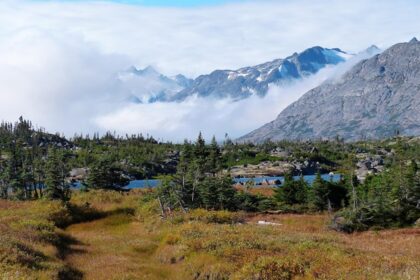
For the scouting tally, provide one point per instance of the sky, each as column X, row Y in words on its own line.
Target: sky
column 161, row 3
column 173, row 3
column 59, row 59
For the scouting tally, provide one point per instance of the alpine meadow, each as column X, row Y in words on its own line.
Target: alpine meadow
column 209, row 140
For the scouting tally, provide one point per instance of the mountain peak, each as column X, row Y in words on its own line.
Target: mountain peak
column 150, row 70
column 373, row 48
column 414, row 40
column 255, row 80
column 373, row 99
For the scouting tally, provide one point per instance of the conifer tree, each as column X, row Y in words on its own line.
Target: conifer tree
column 292, row 192
column 320, row 193
column 182, row 178
column 214, row 164
column 55, row 185
column 104, row 175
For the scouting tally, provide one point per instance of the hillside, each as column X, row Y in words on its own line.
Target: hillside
column 377, row 98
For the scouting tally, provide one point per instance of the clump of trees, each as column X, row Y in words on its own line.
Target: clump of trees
column 390, row 199
column 322, row 195
column 104, row 174
column 199, row 181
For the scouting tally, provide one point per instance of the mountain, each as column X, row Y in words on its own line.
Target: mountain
column 148, row 86
column 244, row 82
column 376, row 98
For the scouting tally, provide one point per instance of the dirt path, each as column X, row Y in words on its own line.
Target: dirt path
column 115, row 247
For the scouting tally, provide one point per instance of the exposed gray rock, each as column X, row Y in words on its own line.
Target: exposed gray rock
column 369, row 165
column 247, row 81
column 378, row 97
column 78, row 174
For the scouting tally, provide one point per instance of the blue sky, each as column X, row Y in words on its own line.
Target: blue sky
column 160, row 3
column 182, row 3
column 60, row 58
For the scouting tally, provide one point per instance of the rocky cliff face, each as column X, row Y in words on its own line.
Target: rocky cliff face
column 254, row 80
column 376, row 98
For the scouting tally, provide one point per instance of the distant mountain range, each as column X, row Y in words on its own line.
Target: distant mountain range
column 248, row 81
column 378, row 97
column 148, row 86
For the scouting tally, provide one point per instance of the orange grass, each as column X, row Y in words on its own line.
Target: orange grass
column 130, row 241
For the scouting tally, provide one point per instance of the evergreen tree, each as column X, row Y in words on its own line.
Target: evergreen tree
column 292, row 192
column 183, row 178
column 28, row 177
column 216, row 193
column 39, row 176
column 55, row 185
column 214, row 158
column 320, row 193
column 104, row 175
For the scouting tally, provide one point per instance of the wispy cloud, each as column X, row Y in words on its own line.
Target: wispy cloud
column 215, row 117
column 58, row 60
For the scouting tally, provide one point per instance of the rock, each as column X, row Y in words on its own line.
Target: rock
column 274, row 182
column 265, row 182
column 78, row 173
column 268, row 223
column 255, row 80
column 377, row 98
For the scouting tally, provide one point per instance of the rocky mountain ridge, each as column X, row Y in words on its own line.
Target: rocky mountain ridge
column 377, row 98
column 148, row 86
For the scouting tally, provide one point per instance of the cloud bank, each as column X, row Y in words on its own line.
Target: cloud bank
column 59, row 61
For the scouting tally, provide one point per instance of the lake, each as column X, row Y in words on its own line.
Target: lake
column 152, row 183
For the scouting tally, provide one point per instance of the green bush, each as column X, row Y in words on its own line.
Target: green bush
column 218, row 217
column 272, row 268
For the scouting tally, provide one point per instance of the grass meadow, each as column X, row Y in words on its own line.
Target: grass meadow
column 108, row 235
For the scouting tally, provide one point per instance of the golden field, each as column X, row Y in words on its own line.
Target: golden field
column 107, row 235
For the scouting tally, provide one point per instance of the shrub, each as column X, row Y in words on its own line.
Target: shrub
column 272, row 268
column 362, row 219
column 170, row 254
column 206, row 267
column 218, row 217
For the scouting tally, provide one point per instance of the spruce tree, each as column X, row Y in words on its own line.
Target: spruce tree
column 103, row 174
column 214, row 158
column 55, row 185
column 292, row 192
column 320, row 193
column 182, row 178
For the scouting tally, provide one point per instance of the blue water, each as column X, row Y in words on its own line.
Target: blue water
column 153, row 183
column 308, row 178
column 139, row 184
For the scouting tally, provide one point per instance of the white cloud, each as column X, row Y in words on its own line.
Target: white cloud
column 58, row 60
column 177, row 121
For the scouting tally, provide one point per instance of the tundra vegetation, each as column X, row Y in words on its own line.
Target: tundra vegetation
column 198, row 224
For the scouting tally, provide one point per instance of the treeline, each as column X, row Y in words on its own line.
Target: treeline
column 201, row 182
column 388, row 199
column 35, row 164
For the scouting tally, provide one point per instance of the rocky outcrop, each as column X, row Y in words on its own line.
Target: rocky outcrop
column 369, row 165
column 277, row 168
column 78, row 174
column 266, row 168
column 42, row 139
column 377, row 98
